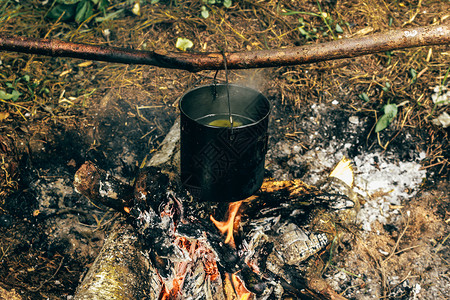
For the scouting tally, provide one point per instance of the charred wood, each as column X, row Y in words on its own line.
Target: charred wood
column 280, row 233
column 101, row 188
column 121, row 270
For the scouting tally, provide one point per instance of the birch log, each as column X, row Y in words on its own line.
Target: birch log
column 121, row 270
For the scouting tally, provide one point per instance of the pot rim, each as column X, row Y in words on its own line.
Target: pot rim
column 225, row 84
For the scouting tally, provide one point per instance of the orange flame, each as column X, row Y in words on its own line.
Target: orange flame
column 238, row 287
column 227, row 227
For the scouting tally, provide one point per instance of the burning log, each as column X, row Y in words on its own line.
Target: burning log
column 267, row 246
column 344, row 48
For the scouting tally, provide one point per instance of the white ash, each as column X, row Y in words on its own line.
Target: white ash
column 106, row 189
column 441, row 95
column 385, row 184
column 382, row 179
column 52, row 194
column 443, row 120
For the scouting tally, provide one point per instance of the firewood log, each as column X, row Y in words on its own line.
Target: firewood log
column 121, row 271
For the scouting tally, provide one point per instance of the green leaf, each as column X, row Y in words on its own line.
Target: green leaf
column 7, row 96
column 390, row 112
column 15, row 95
column 26, row 78
column 227, row 3
column 154, row 1
column 84, row 11
column 103, row 4
column 183, row 44
column 413, row 74
column 339, row 29
column 110, row 16
column 303, row 31
column 204, row 12
column 60, row 9
column 364, row 97
column 68, row 1
column 4, row 95
column 386, row 87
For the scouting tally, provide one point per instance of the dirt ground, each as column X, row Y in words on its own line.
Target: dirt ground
column 62, row 112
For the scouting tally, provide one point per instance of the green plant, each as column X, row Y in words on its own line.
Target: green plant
column 13, row 95
column 413, row 75
column 77, row 10
column 11, row 92
column 363, row 96
column 310, row 31
column 24, row 89
column 390, row 112
column 204, row 10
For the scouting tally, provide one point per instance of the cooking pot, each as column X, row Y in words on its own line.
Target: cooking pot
column 220, row 162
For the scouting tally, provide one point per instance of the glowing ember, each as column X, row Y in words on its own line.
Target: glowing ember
column 211, row 269
column 173, row 292
column 227, row 227
column 197, row 252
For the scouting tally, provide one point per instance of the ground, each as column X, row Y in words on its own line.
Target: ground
column 56, row 113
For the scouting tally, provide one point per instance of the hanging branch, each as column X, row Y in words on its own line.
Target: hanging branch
column 344, row 48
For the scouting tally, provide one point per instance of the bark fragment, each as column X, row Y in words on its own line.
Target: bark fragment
column 102, row 188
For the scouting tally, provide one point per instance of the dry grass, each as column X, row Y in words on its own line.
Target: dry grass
column 67, row 91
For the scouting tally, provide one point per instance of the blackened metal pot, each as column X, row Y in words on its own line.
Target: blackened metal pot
column 220, row 163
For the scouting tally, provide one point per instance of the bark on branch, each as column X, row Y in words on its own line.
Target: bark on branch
column 345, row 48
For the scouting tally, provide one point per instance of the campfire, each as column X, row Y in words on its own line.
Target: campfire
column 271, row 245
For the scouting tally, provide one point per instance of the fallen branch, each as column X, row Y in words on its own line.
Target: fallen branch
column 344, row 48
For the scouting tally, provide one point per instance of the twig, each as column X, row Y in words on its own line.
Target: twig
column 47, row 280
column 398, row 242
